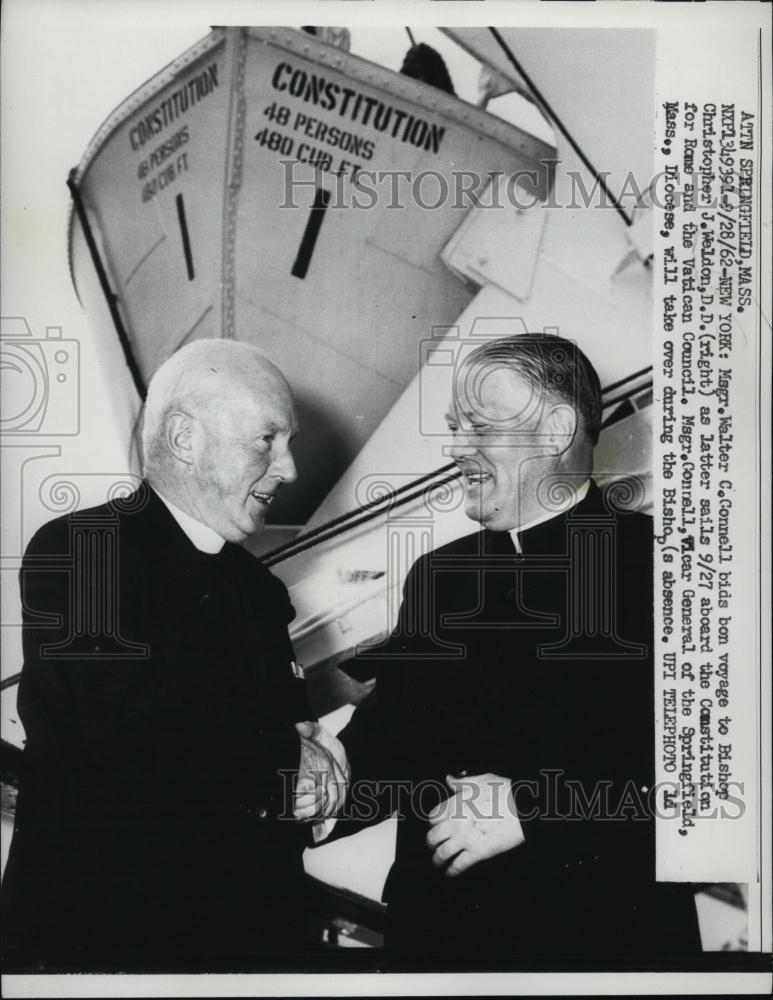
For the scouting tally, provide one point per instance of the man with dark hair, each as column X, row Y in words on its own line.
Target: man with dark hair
column 422, row 62
column 553, row 367
column 518, row 685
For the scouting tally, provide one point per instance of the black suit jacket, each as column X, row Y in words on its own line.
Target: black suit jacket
column 536, row 667
column 158, row 703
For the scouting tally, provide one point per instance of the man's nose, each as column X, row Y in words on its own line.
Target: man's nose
column 462, row 446
column 284, row 467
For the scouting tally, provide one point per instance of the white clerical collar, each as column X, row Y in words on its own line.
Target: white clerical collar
column 203, row 537
column 572, row 500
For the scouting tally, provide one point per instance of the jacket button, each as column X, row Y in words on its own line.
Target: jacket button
column 262, row 813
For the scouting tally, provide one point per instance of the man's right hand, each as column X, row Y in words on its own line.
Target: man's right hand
column 323, row 774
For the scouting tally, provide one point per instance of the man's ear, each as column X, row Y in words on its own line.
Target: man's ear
column 563, row 424
column 179, row 436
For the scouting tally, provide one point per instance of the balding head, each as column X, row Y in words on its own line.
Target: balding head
column 218, row 421
column 200, row 378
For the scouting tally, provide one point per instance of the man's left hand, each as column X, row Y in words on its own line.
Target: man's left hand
column 323, row 774
column 477, row 822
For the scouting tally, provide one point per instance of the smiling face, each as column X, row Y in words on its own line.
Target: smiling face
column 240, row 450
column 504, row 443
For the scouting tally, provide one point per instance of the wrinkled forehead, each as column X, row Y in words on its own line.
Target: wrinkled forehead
column 257, row 401
column 493, row 390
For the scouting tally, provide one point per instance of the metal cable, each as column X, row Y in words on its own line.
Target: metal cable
column 305, row 543
column 296, row 545
column 560, row 125
column 353, row 513
column 110, row 297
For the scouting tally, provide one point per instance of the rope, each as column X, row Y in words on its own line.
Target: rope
column 622, row 381
column 110, row 297
column 297, row 545
column 305, row 543
column 353, row 513
column 627, row 395
column 560, row 125
column 371, row 510
column 311, row 538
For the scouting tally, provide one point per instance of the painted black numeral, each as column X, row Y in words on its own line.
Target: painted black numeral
column 310, row 233
column 186, row 238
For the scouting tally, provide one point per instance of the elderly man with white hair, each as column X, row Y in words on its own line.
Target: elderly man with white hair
column 163, row 714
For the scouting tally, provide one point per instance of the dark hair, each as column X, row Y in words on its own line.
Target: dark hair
column 422, row 62
column 552, row 365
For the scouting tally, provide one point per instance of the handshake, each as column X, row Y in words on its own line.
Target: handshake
column 323, row 774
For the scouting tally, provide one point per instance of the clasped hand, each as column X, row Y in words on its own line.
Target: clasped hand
column 323, row 774
column 477, row 822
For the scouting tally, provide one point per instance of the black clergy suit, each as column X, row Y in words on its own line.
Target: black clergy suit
column 158, row 704
column 537, row 667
